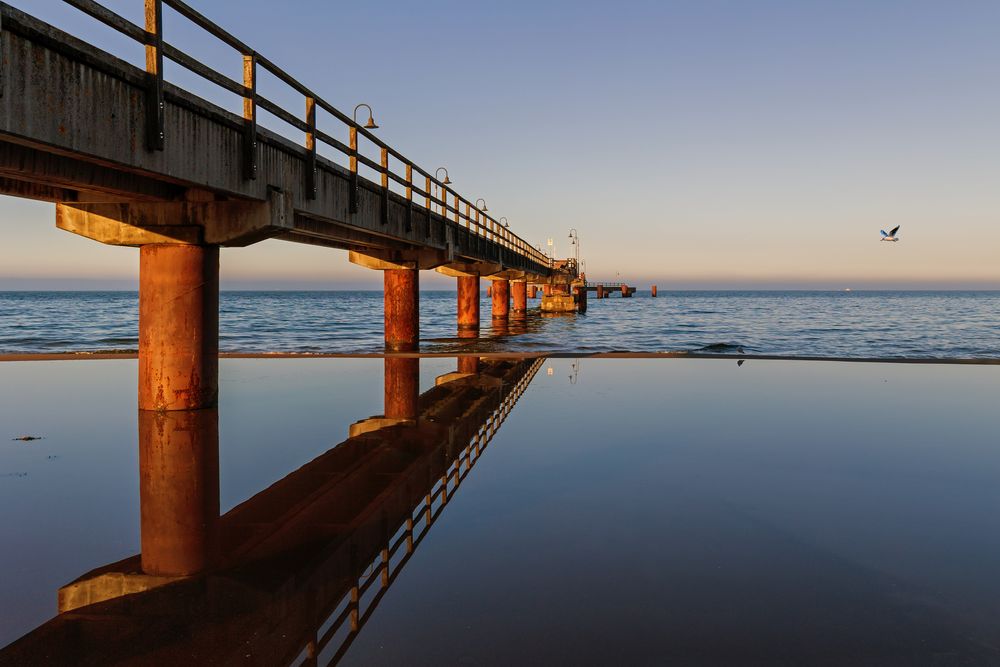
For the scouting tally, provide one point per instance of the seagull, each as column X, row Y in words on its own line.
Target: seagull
column 891, row 236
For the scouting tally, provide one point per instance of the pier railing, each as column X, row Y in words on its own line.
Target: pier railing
column 419, row 186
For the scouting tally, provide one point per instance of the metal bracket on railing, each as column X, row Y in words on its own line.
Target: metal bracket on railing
column 311, row 148
column 154, row 72
column 250, row 116
column 353, row 194
column 409, row 197
column 385, row 185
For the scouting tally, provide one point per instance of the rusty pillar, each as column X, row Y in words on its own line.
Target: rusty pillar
column 532, row 291
column 489, row 290
column 652, row 290
column 581, row 298
column 519, row 292
column 547, row 290
column 402, row 309
column 501, row 299
column 178, row 327
column 178, row 490
column 468, row 302
column 624, row 290
column 402, row 387
column 600, row 291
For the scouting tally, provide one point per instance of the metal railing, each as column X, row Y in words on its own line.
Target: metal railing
column 416, row 181
column 350, row 612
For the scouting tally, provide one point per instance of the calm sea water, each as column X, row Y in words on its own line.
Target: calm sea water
column 625, row 511
column 855, row 324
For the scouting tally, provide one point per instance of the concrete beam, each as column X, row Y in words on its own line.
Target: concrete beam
column 417, row 258
column 459, row 269
column 229, row 223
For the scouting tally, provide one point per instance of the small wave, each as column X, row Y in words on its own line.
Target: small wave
column 721, row 348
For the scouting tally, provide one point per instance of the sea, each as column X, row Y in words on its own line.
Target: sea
column 858, row 324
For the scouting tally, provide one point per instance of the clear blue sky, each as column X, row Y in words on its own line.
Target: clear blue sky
column 695, row 143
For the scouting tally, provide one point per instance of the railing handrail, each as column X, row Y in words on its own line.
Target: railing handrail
column 475, row 220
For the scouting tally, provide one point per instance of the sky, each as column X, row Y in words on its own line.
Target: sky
column 695, row 144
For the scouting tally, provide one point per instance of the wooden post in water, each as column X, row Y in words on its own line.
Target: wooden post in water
column 652, row 290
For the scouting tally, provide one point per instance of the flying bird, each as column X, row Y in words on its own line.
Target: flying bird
column 891, row 236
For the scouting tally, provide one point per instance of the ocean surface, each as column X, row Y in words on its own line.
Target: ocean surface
column 829, row 324
column 611, row 511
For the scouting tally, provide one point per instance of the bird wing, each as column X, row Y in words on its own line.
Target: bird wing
column 883, row 232
column 894, row 230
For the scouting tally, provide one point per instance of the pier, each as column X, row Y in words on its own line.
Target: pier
column 131, row 160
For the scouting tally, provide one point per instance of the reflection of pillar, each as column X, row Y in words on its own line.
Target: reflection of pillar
column 178, row 490
column 178, row 327
column 501, row 299
column 468, row 302
column 519, row 292
column 468, row 364
column 402, row 309
column 402, row 387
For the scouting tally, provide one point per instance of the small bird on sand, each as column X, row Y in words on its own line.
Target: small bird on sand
column 891, row 236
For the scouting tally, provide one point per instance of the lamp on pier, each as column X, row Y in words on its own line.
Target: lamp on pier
column 370, row 123
column 483, row 207
column 503, row 221
column 446, row 181
column 574, row 239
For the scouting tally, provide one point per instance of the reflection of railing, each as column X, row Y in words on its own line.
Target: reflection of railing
column 448, row 203
column 350, row 613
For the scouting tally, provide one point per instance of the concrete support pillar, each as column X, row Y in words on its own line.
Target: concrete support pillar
column 652, row 290
column 600, row 291
column 501, row 299
column 178, row 490
column 519, row 292
column 468, row 302
column 402, row 309
column 624, row 290
column 178, row 327
column 581, row 298
column 402, row 387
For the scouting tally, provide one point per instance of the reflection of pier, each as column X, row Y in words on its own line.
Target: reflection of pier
column 293, row 573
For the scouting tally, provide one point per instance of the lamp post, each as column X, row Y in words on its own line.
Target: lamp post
column 574, row 239
column 370, row 123
column 446, row 181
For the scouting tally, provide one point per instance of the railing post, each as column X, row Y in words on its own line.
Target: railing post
column 250, row 116
column 455, row 199
column 311, row 148
column 409, row 197
column 154, row 75
column 384, row 162
column 353, row 195
column 427, row 203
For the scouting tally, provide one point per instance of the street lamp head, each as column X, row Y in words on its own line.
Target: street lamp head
column 370, row 123
column 446, row 181
column 503, row 221
column 483, row 207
